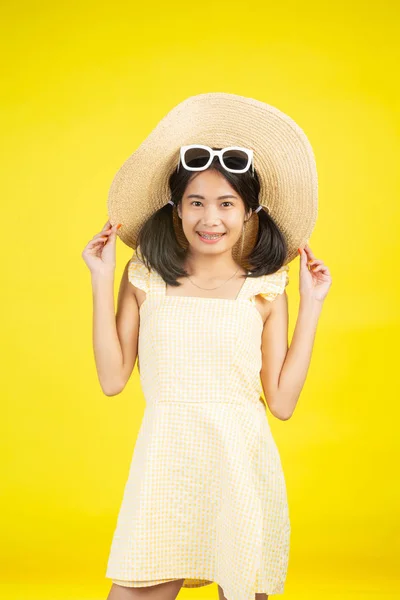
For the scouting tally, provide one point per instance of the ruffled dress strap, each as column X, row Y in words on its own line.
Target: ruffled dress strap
column 146, row 279
column 268, row 286
column 138, row 273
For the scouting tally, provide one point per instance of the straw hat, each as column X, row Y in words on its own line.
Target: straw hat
column 283, row 159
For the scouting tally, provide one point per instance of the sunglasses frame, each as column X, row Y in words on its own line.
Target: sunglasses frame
column 219, row 153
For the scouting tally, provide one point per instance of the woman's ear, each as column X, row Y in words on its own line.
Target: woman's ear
column 248, row 215
column 179, row 210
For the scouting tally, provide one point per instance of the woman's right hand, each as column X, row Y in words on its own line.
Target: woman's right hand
column 99, row 253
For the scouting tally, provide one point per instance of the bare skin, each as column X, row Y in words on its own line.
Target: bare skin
column 256, row 596
column 163, row 591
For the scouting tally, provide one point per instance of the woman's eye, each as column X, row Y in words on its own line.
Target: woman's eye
column 198, row 202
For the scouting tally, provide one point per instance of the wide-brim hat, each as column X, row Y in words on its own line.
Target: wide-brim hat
column 283, row 158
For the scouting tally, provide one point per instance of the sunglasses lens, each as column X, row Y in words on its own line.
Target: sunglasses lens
column 197, row 157
column 235, row 160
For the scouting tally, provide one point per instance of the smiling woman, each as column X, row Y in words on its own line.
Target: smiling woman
column 210, row 235
column 210, row 201
column 202, row 306
column 205, row 207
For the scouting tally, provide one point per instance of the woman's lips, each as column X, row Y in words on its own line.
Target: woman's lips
column 210, row 241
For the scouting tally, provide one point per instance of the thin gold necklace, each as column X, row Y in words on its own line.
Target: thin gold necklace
column 214, row 288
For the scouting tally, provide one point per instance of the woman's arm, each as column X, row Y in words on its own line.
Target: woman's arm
column 283, row 381
column 284, row 370
column 115, row 337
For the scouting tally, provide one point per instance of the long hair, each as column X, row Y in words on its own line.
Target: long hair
column 159, row 246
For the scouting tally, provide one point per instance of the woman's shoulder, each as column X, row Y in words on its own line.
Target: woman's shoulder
column 270, row 286
column 138, row 273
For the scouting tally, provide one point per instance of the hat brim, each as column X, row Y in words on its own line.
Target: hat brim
column 283, row 158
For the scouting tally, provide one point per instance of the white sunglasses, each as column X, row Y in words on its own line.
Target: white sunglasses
column 197, row 157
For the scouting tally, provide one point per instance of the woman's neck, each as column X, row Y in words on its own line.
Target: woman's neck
column 218, row 266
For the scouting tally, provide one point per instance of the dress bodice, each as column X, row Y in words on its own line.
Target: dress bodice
column 195, row 349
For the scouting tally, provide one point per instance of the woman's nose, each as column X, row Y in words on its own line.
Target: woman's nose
column 210, row 216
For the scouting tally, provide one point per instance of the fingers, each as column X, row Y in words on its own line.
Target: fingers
column 106, row 231
column 95, row 242
column 313, row 263
column 103, row 236
column 322, row 268
column 309, row 252
column 310, row 261
column 303, row 257
column 100, row 240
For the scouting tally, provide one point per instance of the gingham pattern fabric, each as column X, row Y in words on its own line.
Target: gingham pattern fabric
column 205, row 499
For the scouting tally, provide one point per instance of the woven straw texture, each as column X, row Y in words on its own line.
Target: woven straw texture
column 283, row 158
column 205, row 499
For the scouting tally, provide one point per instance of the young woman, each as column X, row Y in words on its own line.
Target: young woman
column 202, row 306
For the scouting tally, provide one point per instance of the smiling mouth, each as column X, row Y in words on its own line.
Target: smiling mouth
column 210, row 236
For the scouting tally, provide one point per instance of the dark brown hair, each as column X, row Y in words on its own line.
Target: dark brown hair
column 159, row 247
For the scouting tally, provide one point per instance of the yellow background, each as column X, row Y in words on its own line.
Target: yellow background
column 83, row 84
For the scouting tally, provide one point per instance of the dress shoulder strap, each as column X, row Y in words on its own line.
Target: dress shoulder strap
column 268, row 286
column 143, row 278
column 138, row 274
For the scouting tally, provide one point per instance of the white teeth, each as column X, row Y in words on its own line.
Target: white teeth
column 211, row 237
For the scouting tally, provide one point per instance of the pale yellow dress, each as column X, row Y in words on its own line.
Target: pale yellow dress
column 205, row 499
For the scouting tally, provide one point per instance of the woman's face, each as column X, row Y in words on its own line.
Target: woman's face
column 211, row 205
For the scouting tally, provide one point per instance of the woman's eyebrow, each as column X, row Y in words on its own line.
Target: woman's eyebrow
column 219, row 197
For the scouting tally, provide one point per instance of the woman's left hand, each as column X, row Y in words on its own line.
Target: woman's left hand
column 315, row 278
